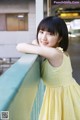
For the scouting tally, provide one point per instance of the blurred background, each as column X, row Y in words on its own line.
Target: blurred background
column 70, row 12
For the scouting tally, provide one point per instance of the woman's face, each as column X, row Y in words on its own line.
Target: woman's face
column 48, row 39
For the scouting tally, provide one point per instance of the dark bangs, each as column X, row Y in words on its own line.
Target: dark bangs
column 46, row 25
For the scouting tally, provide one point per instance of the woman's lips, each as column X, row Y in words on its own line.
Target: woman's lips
column 44, row 43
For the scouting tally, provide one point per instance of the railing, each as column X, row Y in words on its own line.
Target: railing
column 18, row 89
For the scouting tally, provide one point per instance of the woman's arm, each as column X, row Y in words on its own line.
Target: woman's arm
column 44, row 51
column 27, row 48
column 54, row 55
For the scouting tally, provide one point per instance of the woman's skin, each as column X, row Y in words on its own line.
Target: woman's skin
column 46, row 48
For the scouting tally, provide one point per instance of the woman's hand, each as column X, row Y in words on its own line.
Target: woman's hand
column 34, row 42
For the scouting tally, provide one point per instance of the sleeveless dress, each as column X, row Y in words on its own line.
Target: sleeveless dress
column 62, row 94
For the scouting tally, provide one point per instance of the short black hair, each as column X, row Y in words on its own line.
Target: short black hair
column 55, row 25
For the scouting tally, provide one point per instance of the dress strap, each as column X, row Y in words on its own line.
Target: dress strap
column 59, row 48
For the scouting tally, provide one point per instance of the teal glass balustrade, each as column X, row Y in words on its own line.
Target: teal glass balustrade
column 18, row 89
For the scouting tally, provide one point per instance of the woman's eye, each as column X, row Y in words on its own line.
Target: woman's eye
column 51, row 34
column 40, row 31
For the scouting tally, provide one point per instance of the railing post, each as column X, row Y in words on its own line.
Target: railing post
column 18, row 87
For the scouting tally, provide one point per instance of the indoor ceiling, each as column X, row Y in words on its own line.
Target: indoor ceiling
column 66, row 8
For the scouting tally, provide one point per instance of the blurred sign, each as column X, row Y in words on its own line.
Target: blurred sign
column 55, row 2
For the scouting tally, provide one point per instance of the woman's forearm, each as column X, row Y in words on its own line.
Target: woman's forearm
column 27, row 48
column 43, row 51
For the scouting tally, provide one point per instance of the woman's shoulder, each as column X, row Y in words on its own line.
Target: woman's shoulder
column 64, row 52
column 56, row 61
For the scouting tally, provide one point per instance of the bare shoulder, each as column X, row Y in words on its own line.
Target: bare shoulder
column 57, row 58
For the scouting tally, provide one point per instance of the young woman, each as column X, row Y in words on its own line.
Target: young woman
column 62, row 94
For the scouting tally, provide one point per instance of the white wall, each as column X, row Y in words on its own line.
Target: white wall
column 9, row 39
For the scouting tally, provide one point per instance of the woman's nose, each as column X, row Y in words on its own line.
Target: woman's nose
column 44, row 37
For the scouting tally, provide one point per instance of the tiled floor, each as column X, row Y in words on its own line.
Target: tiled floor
column 74, row 51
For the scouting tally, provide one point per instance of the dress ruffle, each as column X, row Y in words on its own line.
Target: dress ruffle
column 61, row 103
